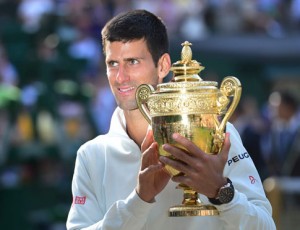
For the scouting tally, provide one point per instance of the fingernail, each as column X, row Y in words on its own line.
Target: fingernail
column 165, row 146
column 175, row 135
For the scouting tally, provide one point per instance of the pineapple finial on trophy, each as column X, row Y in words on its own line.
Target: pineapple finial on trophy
column 186, row 53
column 186, row 69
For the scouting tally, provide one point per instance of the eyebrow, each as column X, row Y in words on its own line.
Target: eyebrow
column 132, row 58
column 125, row 59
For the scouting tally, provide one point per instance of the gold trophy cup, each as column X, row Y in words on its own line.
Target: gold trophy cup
column 197, row 110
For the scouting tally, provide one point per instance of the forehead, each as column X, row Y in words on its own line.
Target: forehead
column 118, row 49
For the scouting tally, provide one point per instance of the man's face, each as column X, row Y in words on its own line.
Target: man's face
column 129, row 65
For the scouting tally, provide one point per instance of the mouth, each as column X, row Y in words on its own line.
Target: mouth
column 126, row 90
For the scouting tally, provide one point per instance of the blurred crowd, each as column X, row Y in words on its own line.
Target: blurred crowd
column 271, row 134
column 54, row 94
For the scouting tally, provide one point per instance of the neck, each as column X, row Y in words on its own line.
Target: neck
column 136, row 125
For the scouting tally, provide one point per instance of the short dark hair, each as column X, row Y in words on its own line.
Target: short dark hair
column 135, row 25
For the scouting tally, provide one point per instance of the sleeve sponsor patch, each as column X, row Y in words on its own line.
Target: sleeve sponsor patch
column 79, row 200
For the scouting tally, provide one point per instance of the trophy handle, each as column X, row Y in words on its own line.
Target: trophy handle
column 142, row 94
column 230, row 87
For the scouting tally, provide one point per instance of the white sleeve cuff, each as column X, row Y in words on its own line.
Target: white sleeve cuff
column 137, row 206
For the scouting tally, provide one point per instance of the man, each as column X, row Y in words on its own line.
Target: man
column 281, row 143
column 119, row 181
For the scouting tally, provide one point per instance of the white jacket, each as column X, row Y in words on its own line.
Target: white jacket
column 104, row 194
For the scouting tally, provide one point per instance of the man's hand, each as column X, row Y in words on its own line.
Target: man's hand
column 152, row 177
column 201, row 172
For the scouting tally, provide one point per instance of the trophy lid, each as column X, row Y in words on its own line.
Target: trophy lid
column 186, row 73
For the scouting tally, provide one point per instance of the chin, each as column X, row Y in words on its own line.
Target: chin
column 136, row 108
column 128, row 106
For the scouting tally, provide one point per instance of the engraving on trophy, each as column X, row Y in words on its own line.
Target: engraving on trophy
column 194, row 104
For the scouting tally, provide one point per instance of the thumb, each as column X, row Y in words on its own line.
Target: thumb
column 226, row 147
column 148, row 139
column 149, row 156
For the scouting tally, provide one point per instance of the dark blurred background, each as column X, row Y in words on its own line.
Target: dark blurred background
column 54, row 94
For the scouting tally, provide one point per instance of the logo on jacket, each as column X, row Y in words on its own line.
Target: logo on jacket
column 252, row 179
column 238, row 158
column 80, row 200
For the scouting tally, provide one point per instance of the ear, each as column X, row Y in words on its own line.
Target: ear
column 163, row 67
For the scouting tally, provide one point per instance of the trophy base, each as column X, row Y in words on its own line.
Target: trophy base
column 193, row 210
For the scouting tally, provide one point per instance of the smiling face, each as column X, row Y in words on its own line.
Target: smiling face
column 130, row 64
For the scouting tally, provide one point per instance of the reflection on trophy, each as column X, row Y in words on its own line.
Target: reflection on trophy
column 194, row 108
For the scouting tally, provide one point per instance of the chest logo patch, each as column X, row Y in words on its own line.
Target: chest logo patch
column 252, row 179
column 238, row 158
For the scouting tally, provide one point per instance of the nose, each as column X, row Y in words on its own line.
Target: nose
column 122, row 75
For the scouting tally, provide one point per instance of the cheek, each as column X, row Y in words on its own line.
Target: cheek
column 110, row 74
column 110, row 79
column 153, row 78
column 149, row 75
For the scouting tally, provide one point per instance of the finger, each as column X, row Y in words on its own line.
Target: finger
column 148, row 139
column 149, row 156
column 176, row 164
column 179, row 153
column 191, row 147
column 153, row 168
column 182, row 179
column 226, row 147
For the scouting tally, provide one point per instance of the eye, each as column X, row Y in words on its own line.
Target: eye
column 112, row 64
column 133, row 61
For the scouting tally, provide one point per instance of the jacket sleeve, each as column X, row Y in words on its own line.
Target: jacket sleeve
column 250, row 209
column 88, row 208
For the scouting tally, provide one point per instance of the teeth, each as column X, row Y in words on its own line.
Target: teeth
column 127, row 89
